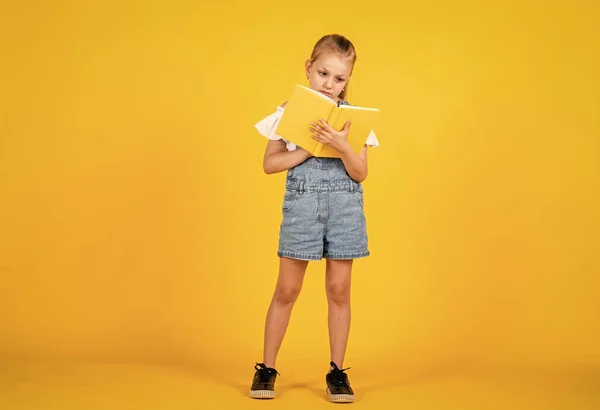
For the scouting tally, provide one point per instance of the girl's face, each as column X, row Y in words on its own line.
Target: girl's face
column 329, row 74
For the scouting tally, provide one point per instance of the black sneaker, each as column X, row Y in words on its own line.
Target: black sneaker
column 338, row 385
column 263, row 384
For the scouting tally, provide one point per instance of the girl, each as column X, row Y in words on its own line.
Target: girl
column 323, row 217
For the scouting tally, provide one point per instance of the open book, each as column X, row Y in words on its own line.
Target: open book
column 306, row 105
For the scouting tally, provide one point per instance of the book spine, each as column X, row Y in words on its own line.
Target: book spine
column 318, row 149
column 334, row 118
column 331, row 119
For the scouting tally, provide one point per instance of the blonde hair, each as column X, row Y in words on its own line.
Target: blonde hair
column 338, row 44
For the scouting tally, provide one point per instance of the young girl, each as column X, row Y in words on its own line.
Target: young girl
column 323, row 217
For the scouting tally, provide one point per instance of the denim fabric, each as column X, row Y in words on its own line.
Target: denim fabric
column 323, row 213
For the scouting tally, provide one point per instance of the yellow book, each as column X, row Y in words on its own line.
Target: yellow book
column 306, row 105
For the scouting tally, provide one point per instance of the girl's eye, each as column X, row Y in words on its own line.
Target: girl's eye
column 322, row 73
column 340, row 80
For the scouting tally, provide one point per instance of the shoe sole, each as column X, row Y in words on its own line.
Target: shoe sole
column 262, row 394
column 340, row 398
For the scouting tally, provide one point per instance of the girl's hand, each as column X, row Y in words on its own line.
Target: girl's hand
column 326, row 134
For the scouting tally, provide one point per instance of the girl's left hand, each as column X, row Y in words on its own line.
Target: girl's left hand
column 326, row 134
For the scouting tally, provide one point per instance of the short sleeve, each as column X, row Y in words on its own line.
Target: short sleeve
column 267, row 127
column 372, row 140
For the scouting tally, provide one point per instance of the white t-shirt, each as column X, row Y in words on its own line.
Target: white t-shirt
column 268, row 127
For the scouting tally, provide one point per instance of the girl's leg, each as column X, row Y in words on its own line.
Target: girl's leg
column 337, row 285
column 289, row 284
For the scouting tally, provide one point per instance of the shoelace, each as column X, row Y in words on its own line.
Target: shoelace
column 338, row 377
column 264, row 373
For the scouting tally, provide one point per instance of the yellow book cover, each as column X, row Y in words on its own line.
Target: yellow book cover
column 306, row 105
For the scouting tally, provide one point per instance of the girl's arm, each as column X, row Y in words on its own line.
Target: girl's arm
column 356, row 165
column 277, row 158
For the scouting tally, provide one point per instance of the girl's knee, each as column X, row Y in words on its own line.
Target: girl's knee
column 287, row 294
column 338, row 292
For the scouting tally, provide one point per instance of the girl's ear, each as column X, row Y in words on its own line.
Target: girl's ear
column 307, row 66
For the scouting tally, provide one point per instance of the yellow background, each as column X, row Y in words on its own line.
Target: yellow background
column 137, row 226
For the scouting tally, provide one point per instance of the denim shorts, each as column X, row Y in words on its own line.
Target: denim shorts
column 323, row 213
